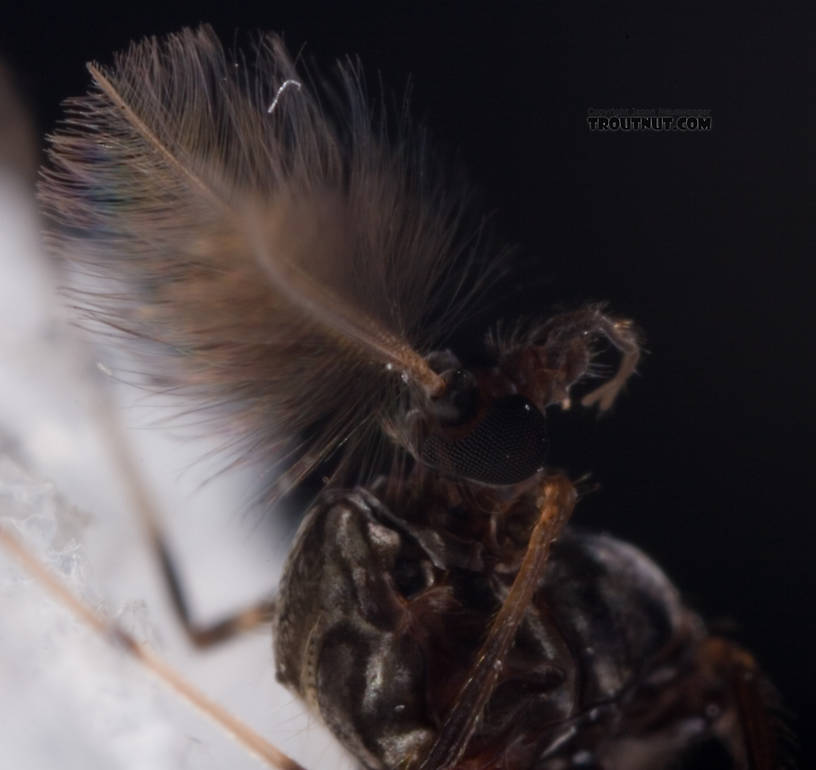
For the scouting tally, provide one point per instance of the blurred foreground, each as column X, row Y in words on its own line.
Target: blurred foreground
column 69, row 699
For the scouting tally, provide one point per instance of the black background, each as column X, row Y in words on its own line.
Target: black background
column 706, row 460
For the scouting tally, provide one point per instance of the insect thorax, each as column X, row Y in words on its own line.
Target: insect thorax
column 382, row 611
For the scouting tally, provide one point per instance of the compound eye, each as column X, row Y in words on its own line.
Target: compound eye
column 505, row 446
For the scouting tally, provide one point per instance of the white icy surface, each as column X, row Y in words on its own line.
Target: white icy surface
column 69, row 699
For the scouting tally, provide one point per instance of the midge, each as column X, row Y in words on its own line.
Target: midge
column 291, row 263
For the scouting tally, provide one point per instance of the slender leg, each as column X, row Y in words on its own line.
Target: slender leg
column 104, row 626
column 220, row 631
column 556, row 501
column 753, row 738
column 145, row 506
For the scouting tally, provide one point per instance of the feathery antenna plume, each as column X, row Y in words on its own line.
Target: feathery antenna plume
column 286, row 268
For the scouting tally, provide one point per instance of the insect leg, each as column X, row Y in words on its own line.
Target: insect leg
column 215, row 633
column 48, row 581
column 752, row 737
column 556, row 501
column 149, row 516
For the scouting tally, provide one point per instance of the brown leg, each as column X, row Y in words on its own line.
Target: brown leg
column 215, row 633
column 104, row 626
column 752, row 735
column 556, row 501
column 145, row 506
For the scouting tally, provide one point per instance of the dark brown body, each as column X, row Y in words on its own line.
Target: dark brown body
column 300, row 286
column 383, row 610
